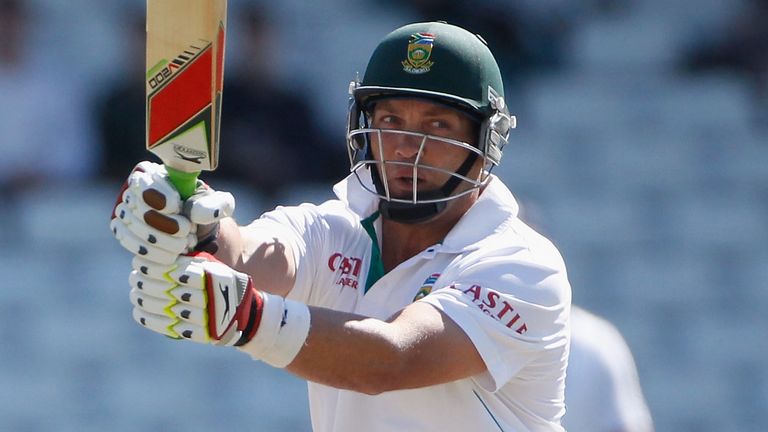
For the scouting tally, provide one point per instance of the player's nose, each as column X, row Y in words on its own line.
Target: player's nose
column 407, row 146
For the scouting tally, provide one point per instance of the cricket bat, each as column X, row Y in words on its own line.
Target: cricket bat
column 184, row 83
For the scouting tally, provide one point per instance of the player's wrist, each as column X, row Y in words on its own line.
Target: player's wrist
column 282, row 331
column 207, row 236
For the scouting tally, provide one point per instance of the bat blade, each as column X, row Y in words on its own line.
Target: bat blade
column 184, row 83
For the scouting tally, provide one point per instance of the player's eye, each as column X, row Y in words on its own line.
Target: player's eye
column 439, row 124
column 387, row 120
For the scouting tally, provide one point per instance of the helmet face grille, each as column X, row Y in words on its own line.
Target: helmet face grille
column 412, row 180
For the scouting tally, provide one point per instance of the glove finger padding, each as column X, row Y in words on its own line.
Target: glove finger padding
column 177, row 311
column 153, row 231
column 174, row 224
column 177, row 243
column 149, row 303
column 159, row 307
column 153, row 279
column 151, row 269
column 170, row 327
column 150, row 182
column 196, row 293
column 139, row 247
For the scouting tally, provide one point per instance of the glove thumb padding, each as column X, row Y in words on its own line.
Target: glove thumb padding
column 209, row 206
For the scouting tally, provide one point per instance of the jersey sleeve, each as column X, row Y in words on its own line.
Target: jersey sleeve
column 306, row 230
column 514, row 312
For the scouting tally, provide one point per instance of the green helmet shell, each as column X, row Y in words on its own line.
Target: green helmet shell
column 435, row 60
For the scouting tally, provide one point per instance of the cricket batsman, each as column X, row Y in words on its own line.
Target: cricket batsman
column 417, row 300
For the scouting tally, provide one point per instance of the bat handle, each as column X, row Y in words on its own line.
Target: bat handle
column 185, row 182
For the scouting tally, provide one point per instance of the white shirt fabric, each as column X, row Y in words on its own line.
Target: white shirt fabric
column 602, row 392
column 504, row 284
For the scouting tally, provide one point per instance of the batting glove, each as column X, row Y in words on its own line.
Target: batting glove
column 150, row 219
column 197, row 298
column 201, row 299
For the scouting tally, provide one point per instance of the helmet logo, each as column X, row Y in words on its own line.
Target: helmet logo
column 419, row 52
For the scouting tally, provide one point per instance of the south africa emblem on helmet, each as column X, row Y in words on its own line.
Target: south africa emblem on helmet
column 419, row 52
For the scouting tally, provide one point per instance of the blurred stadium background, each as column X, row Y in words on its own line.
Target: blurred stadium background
column 642, row 151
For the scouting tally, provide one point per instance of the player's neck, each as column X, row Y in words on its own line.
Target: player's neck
column 401, row 241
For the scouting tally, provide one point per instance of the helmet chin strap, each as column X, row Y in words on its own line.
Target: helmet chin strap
column 412, row 213
column 409, row 213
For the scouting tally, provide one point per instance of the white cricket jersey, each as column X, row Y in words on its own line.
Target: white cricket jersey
column 504, row 284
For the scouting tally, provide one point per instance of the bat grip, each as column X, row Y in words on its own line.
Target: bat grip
column 185, row 182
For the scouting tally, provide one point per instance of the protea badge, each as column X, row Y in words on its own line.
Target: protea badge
column 419, row 52
column 426, row 288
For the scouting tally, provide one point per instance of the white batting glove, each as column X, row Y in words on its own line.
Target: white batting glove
column 197, row 298
column 150, row 219
column 201, row 299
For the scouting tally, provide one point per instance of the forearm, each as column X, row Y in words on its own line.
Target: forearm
column 230, row 244
column 258, row 253
column 417, row 347
column 349, row 351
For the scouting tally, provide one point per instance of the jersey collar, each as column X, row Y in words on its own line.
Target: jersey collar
column 351, row 192
column 495, row 209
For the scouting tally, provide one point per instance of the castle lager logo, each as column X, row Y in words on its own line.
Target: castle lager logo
column 419, row 53
column 347, row 269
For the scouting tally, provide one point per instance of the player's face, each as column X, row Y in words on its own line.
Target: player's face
column 435, row 159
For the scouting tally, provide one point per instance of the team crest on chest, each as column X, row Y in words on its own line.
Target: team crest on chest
column 426, row 287
column 419, row 53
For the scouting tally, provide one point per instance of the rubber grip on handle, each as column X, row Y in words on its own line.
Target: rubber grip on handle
column 185, row 182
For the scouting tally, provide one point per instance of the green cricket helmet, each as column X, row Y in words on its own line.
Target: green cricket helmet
column 440, row 63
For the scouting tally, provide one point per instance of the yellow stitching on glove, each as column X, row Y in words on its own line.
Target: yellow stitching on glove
column 173, row 302
column 171, row 329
